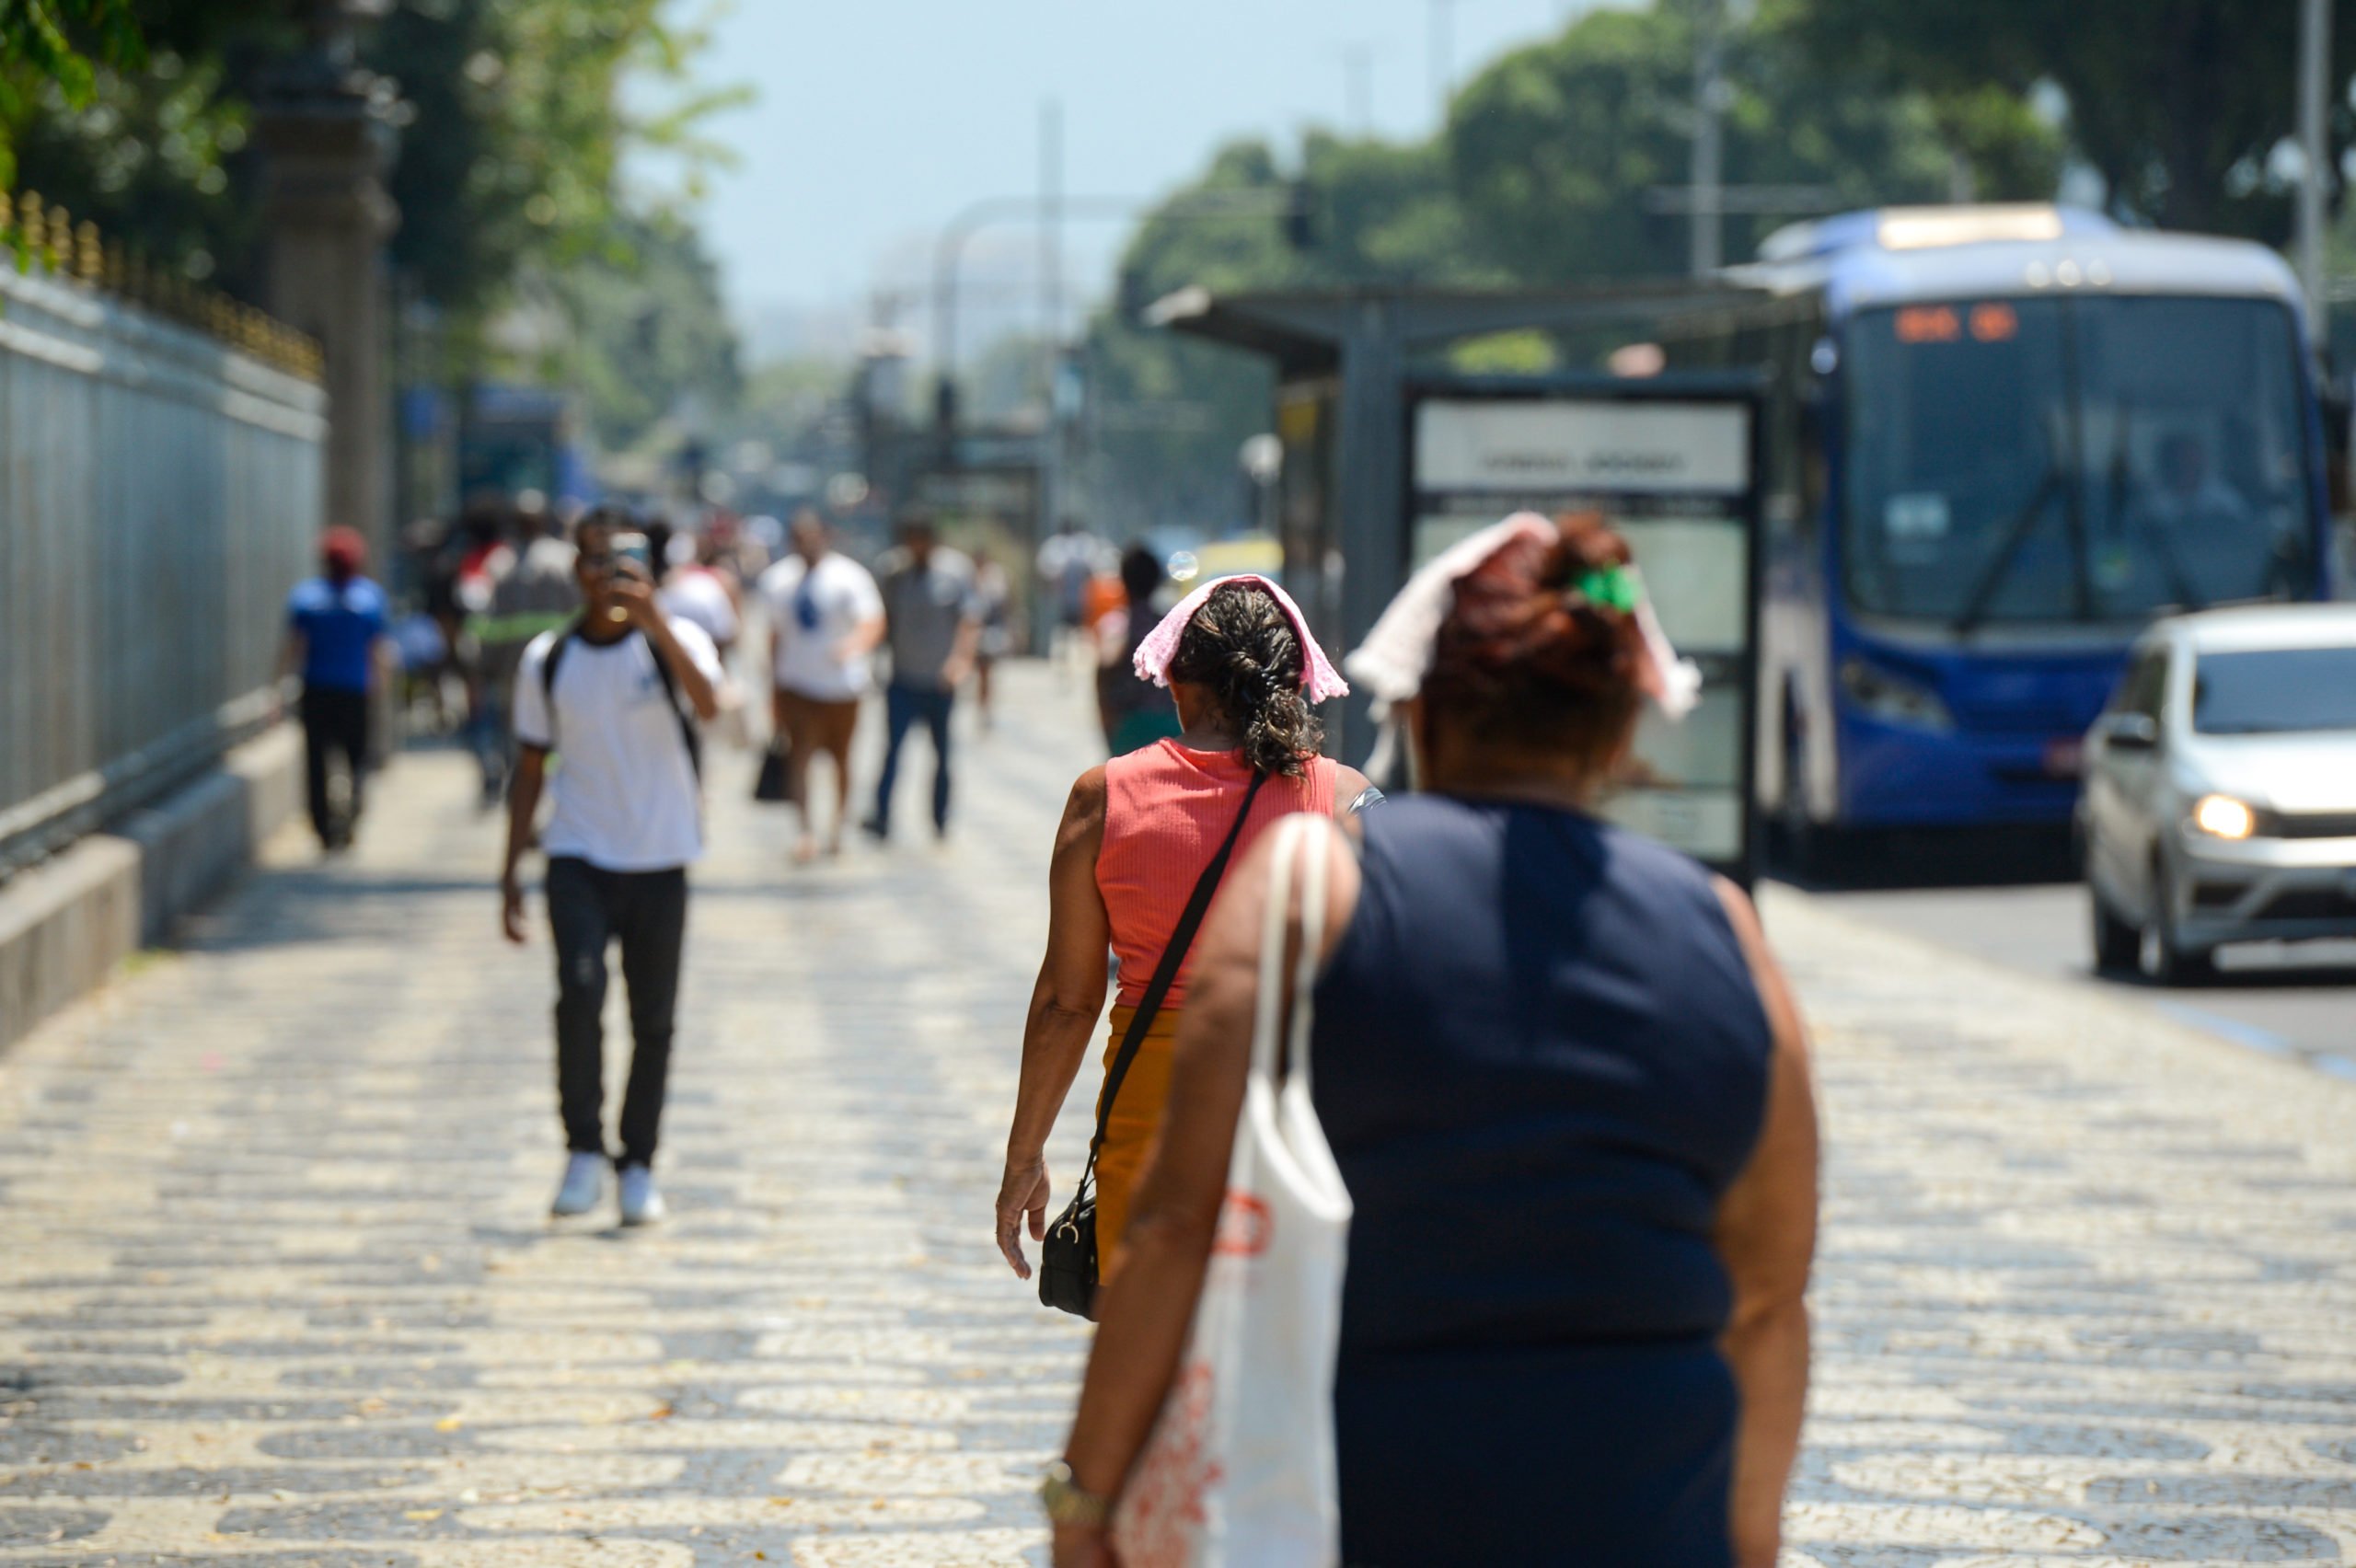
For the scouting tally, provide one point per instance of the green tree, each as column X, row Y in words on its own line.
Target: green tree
column 516, row 126
column 1555, row 148
column 650, row 336
column 2177, row 104
column 54, row 50
column 1540, row 179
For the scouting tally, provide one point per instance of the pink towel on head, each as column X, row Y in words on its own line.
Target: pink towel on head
column 1320, row 680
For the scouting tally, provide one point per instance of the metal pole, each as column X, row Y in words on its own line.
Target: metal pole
column 1443, row 45
column 2315, row 71
column 1357, row 69
column 1709, row 150
column 1051, row 434
column 1708, row 174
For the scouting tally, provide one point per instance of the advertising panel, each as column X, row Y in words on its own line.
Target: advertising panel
column 1675, row 475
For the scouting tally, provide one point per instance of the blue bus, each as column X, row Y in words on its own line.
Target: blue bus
column 1998, row 441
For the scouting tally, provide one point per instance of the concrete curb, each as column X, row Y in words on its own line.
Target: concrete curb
column 65, row 924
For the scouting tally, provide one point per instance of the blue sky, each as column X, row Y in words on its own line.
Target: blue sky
column 878, row 120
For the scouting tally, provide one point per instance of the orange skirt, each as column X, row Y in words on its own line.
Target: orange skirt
column 1135, row 1122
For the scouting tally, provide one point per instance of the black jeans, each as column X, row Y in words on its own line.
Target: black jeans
column 903, row 706
column 647, row 911
column 333, row 721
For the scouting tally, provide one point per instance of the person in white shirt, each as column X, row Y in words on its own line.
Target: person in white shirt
column 826, row 620
column 619, row 693
column 689, row 590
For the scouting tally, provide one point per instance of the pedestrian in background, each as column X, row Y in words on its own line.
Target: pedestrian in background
column 689, row 590
column 1070, row 556
column 1137, row 833
column 994, row 607
column 335, row 623
column 825, row 618
column 1135, row 712
column 617, row 694
column 1568, row 1093
column 933, row 627
column 533, row 590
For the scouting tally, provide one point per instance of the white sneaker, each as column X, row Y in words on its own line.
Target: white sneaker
column 585, row 1183
column 642, row 1202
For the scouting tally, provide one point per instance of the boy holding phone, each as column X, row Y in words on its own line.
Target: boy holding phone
column 618, row 692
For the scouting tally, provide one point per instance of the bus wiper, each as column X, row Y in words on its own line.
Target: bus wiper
column 2016, row 532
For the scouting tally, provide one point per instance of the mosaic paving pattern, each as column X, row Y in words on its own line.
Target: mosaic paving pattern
column 276, row 1286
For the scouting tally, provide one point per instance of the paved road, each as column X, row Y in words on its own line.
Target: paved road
column 2298, row 1002
column 276, row 1286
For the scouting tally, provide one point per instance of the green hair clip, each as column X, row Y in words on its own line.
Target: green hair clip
column 1613, row 587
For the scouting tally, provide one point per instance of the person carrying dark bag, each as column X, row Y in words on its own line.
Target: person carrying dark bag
column 1138, row 860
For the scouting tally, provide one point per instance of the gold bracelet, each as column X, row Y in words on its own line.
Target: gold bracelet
column 1067, row 1504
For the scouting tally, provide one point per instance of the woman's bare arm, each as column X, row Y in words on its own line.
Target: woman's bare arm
column 1064, row 1008
column 1766, row 1237
column 1146, row 1307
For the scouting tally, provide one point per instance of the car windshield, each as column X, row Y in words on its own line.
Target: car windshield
column 2082, row 459
column 2274, row 691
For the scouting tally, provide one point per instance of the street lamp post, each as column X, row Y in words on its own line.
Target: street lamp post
column 2315, row 71
column 949, row 253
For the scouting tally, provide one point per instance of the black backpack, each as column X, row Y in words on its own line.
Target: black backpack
column 663, row 671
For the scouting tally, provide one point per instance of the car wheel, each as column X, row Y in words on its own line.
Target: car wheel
column 2118, row 945
column 2162, row 961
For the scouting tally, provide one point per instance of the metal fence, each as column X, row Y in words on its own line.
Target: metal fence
column 159, row 493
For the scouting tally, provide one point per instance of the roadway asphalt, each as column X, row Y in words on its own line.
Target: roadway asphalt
column 2013, row 902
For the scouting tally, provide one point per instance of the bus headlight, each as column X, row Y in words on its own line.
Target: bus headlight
column 1893, row 699
column 2221, row 817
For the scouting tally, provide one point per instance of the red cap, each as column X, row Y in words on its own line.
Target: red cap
column 343, row 550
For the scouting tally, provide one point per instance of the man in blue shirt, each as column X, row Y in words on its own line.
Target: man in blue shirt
column 333, row 625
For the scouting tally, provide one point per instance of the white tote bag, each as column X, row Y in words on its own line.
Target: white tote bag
column 1238, row 1471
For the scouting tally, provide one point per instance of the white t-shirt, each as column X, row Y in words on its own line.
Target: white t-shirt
column 692, row 594
column 805, row 632
column 626, row 797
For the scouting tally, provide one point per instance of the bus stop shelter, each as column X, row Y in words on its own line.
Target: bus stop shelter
column 1390, row 455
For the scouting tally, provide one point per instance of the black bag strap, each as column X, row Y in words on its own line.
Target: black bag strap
column 1165, row 973
column 564, row 637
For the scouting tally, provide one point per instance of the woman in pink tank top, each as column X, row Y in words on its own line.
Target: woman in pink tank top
column 1136, row 836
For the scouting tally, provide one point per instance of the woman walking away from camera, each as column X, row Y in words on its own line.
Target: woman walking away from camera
column 1136, row 837
column 1568, row 1092
column 1133, row 713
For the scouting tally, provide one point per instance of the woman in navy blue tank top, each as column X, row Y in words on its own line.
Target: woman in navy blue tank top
column 1568, row 1092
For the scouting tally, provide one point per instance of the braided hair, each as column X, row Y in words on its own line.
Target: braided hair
column 1241, row 648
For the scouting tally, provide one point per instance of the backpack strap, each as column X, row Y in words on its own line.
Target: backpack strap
column 565, row 634
column 662, row 671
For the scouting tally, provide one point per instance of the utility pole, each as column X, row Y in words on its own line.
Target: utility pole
column 2314, row 72
column 1051, row 266
column 1443, row 46
column 1357, row 83
column 1708, row 173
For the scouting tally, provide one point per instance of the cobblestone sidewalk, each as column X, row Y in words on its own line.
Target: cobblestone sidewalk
column 277, row 1286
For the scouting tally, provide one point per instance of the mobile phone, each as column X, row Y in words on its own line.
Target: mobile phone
column 634, row 547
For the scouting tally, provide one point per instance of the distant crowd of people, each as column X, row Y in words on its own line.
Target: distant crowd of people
column 1561, row 1122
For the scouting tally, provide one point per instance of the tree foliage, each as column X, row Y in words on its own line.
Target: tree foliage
column 54, row 48
column 1541, row 176
column 650, row 336
column 2179, row 105
column 513, row 119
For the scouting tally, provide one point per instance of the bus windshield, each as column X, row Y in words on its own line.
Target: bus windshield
column 2078, row 459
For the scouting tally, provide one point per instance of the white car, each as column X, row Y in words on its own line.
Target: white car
column 2220, row 797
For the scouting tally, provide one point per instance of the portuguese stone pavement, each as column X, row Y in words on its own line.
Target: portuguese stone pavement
column 277, row 1286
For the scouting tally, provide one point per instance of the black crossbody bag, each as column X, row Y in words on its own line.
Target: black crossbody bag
column 1068, row 1257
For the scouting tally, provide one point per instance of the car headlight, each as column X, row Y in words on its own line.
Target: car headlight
column 1892, row 698
column 2221, row 817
